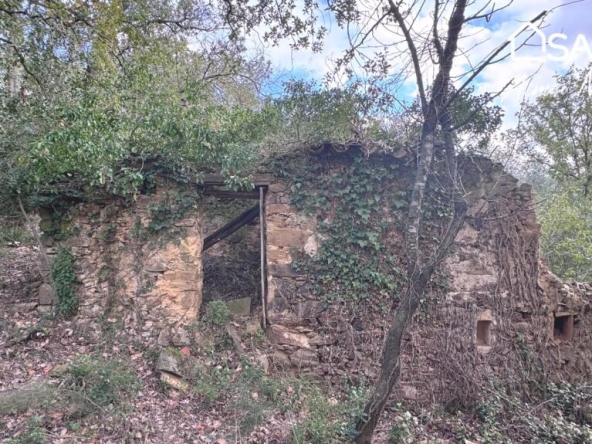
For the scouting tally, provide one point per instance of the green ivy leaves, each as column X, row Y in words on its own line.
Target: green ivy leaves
column 352, row 207
column 63, row 273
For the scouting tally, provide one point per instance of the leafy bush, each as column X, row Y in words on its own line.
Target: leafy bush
column 327, row 419
column 63, row 273
column 102, row 383
column 217, row 313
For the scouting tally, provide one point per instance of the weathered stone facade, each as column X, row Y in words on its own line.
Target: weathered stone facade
column 496, row 320
column 152, row 287
column 503, row 314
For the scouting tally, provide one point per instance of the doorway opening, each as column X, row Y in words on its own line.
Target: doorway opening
column 234, row 249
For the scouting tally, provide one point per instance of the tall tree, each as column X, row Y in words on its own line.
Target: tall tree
column 558, row 128
column 90, row 90
column 424, row 55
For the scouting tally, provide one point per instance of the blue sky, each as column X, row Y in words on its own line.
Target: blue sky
column 478, row 39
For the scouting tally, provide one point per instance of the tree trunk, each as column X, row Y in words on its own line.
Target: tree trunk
column 419, row 275
column 391, row 366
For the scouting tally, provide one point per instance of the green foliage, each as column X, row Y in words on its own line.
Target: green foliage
column 217, row 313
column 254, row 397
column 175, row 206
column 108, row 232
column 311, row 115
column 92, row 92
column 557, row 130
column 102, row 383
column 401, row 431
column 558, row 417
column 34, row 433
column 63, row 273
column 352, row 209
column 327, row 419
column 573, row 401
column 566, row 238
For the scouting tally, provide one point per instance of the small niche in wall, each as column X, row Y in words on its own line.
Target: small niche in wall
column 484, row 333
column 563, row 327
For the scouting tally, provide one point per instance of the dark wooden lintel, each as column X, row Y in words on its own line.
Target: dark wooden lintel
column 219, row 179
column 231, row 227
column 231, row 194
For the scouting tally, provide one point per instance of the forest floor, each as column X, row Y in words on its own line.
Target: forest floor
column 59, row 387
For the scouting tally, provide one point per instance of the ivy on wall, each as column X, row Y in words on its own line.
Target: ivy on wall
column 357, row 202
column 63, row 274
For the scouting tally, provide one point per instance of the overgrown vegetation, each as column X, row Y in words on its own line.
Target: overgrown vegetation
column 253, row 398
column 356, row 211
column 173, row 207
column 33, row 434
column 217, row 313
column 63, row 273
column 101, row 384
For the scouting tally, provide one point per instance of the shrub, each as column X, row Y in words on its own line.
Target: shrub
column 217, row 313
column 102, row 383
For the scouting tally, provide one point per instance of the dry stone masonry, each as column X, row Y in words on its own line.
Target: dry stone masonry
column 151, row 286
column 498, row 312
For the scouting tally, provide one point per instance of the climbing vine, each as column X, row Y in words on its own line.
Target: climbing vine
column 165, row 213
column 357, row 203
column 63, row 273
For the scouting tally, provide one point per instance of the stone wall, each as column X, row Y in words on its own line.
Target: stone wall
column 148, row 283
column 496, row 320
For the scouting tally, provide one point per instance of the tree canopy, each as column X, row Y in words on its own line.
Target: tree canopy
column 91, row 90
column 558, row 130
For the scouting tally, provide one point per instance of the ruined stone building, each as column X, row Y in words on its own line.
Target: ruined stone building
column 493, row 313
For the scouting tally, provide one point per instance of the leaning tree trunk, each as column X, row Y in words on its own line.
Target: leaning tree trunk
column 391, row 366
column 391, row 353
column 419, row 271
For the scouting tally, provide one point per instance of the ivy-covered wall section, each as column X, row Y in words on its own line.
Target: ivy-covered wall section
column 335, row 261
column 335, row 252
column 138, row 264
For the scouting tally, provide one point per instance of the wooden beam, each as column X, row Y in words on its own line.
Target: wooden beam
column 263, row 238
column 223, row 194
column 231, row 227
column 219, row 179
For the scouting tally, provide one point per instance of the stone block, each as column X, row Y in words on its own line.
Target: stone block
column 181, row 337
column 156, row 265
column 46, row 240
column 240, row 307
column 280, row 359
column 282, row 270
column 163, row 338
column 174, row 381
column 46, row 295
column 409, row 392
column 311, row 246
column 46, row 225
column 280, row 335
column 185, row 223
column 277, row 187
column 278, row 255
column 170, row 361
column 304, row 358
column 286, row 237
